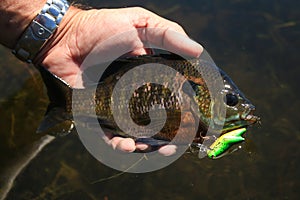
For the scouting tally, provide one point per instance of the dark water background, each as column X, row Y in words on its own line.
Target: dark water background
column 256, row 42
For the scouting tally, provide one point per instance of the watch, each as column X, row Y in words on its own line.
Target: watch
column 40, row 30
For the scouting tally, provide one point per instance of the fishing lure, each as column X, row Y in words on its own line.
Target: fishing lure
column 224, row 142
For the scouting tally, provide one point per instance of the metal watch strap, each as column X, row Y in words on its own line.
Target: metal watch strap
column 40, row 29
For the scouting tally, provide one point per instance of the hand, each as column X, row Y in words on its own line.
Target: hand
column 81, row 30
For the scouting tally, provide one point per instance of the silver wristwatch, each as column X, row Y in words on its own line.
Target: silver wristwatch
column 40, row 29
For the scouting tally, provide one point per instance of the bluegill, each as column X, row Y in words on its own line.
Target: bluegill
column 177, row 110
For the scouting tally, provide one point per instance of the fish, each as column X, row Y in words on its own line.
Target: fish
column 196, row 109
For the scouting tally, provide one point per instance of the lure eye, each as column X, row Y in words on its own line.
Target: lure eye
column 231, row 99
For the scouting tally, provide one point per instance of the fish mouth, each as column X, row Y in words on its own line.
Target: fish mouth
column 246, row 119
column 249, row 116
column 252, row 119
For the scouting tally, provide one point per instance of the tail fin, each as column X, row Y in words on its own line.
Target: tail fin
column 58, row 120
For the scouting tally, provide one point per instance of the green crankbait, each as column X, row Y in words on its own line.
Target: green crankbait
column 224, row 142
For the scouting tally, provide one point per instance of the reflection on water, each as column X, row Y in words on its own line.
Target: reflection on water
column 255, row 42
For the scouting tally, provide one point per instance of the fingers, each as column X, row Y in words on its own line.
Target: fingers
column 128, row 145
column 163, row 33
column 174, row 42
column 168, row 150
column 123, row 144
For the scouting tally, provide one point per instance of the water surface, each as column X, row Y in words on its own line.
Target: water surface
column 255, row 42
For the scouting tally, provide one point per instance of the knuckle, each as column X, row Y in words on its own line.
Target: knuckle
column 139, row 9
column 177, row 26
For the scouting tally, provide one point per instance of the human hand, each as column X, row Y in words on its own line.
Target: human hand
column 81, row 30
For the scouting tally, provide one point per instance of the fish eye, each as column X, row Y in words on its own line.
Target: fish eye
column 231, row 99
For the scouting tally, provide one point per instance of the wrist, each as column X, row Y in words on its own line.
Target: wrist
column 66, row 26
column 40, row 30
column 15, row 17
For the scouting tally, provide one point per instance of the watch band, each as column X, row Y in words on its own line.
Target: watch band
column 40, row 30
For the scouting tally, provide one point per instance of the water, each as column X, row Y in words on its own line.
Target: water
column 255, row 42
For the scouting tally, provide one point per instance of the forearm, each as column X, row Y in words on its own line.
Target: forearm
column 15, row 16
